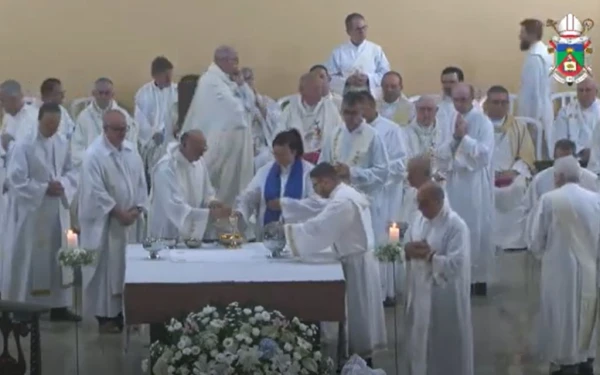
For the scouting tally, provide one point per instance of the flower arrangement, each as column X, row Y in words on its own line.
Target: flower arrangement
column 75, row 257
column 238, row 340
column 391, row 252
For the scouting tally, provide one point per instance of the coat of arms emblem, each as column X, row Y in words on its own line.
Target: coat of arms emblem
column 572, row 49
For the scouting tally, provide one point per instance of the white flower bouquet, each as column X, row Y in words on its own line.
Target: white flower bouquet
column 240, row 341
column 75, row 257
column 391, row 252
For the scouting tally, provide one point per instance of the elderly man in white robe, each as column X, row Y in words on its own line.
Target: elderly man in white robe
column 357, row 58
column 52, row 91
column 312, row 115
column 153, row 111
column 566, row 237
column 42, row 184
column 536, row 82
column 579, row 119
column 112, row 198
column 466, row 162
column 265, row 120
column 219, row 111
column 345, row 225
column 285, row 177
column 393, row 104
column 438, row 310
column 183, row 198
column 424, row 133
column 543, row 182
column 323, row 73
column 513, row 158
column 387, row 203
column 19, row 120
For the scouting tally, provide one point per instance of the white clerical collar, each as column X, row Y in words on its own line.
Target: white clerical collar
column 498, row 122
column 350, row 43
column 309, row 108
column 375, row 120
column 392, row 103
column 442, row 214
column 356, row 131
column 125, row 146
column 43, row 138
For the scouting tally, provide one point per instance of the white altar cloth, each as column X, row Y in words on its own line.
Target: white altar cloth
column 212, row 264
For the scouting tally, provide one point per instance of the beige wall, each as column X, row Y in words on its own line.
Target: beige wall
column 80, row 40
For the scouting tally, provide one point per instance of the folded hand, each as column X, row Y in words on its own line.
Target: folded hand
column 417, row 250
column 55, row 189
column 274, row 205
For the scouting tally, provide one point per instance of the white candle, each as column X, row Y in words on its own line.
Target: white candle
column 394, row 233
column 72, row 242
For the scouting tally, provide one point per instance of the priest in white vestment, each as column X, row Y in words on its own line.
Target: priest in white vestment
column 52, row 91
column 182, row 197
column 219, row 111
column 287, row 177
column 513, row 158
column 42, row 182
column 543, row 182
column 451, row 76
column 323, row 73
column 578, row 120
column 536, row 81
column 19, row 120
column 358, row 55
column 566, row 237
column 438, row 311
column 387, row 203
column 113, row 196
column 186, row 87
column 393, row 104
column 153, row 108
column 345, row 225
column 265, row 120
column 466, row 160
column 424, row 133
column 89, row 121
column 314, row 116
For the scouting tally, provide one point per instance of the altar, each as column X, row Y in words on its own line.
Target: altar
column 184, row 280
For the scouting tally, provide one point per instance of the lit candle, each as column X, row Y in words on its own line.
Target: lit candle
column 71, row 239
column 394, row 233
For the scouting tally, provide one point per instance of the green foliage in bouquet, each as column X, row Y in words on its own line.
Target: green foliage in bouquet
column 391, row 252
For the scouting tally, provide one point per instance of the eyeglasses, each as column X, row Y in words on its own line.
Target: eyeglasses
column 499, row 102
column 118, row 129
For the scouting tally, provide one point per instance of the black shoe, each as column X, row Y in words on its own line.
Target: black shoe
column 479, row 289
column 569, row 370
column 369, row 362
column 63, row 315
column 587, row 367
column 389, row 302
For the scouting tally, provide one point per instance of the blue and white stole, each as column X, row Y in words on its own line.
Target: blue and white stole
column 293, row 187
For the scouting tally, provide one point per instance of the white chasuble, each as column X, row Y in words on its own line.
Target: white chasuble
column 470, row 187
column 219, row 111
column 109, row 178
column 577, row 124
column 264, row 128
column 566, row 236
column 21, row 125
column 153, row 111
column 36, row 224
column 345, row 225
column 401, row 111
column 347, row 59
column 315, row 124
column 438, row 291
column 180, row 197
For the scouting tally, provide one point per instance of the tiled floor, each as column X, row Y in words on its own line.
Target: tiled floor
column 502, row 328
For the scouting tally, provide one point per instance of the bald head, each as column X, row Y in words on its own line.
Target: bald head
column 566, row 169
column 419, row 171
column 311, row 88
column 11, row 96
column 430, row 198
column 432, row 190
column 115, row 127
column 227, row 59
column 192, row 145
column 587, row 91
column 462, row 96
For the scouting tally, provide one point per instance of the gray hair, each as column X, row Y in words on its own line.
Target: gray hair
column 423, row 99
column 224, row 52
column 11, row 88
column 567, row 168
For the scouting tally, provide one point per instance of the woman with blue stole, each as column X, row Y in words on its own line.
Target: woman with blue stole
column 287, row 176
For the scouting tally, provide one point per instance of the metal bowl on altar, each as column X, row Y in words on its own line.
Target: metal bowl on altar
column 231, row 240
column 153, row 247
column 274, row 239
column 193, row 243
column 169, row 243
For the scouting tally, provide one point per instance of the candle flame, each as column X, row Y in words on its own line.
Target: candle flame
column 70, row 231
column 394, row 225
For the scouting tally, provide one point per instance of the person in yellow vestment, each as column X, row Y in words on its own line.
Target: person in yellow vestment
column 393, row 104
column 513, row 159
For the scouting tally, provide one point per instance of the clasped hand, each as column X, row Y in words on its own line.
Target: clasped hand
column 55, row 189
column 158, row 138
column 218, row 210
column 127, row 217
column 460, row 127
column 417, row 250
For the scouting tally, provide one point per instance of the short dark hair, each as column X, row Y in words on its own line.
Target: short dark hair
column 497, row 89
column 392, row 73
column 160, row 65
column 48, row 108
column 186, row 88
column 352, row 98
column 351, row 17
column 317, row 67
column 367, row 97
column 292, row 139
column 454, row 70
column 565, row 145
column 48, row 86
column 324, row 170
column 533, row 27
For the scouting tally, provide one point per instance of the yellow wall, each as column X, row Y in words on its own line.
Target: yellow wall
column 80, row 40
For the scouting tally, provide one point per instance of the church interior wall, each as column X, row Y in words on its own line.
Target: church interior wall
column 79, row 41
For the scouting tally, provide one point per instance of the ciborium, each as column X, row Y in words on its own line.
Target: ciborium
column 232, row 238
column 153, row 246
